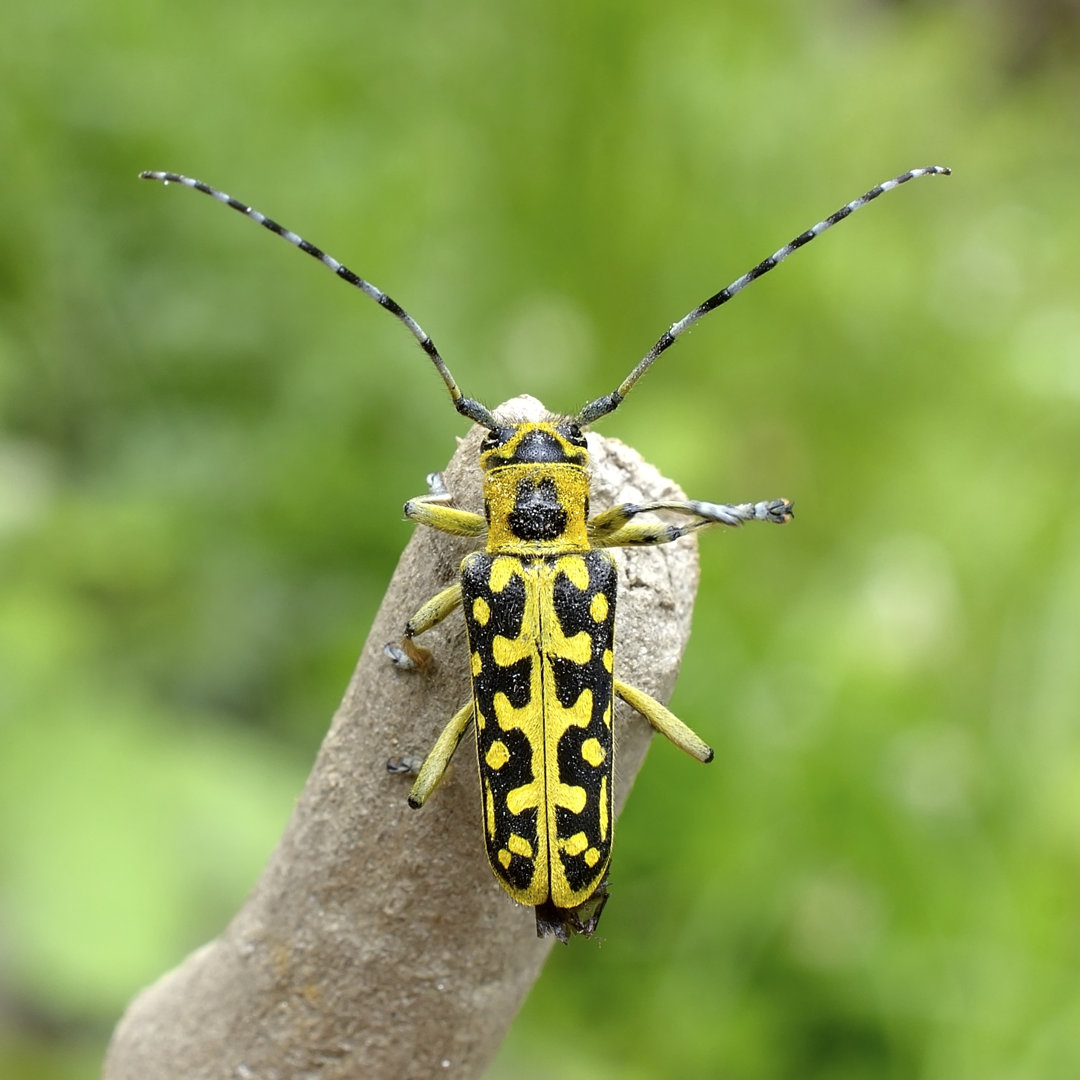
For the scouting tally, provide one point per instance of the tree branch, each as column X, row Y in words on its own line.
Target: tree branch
column 377, row 942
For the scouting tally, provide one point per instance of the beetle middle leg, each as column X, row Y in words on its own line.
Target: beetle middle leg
column 432, row 510
column 406, row 654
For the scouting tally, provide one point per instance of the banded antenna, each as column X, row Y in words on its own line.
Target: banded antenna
column 469, row 407
column 609, row 402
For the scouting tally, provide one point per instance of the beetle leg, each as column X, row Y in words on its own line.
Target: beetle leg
column 616, row 527
column 431, row 510
column 406, row 654
column 436, row 486
column 665, row 721
column 410, row 766
column 434, row 767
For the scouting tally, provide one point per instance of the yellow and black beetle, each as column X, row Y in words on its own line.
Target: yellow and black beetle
column 539, row 607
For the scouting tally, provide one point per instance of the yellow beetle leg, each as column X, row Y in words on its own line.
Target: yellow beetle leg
column 447, row 519
column 407, row 654
column 644, row 534
column 665, row 721
column 615, row 527
column 434, row 767
column 433, row 510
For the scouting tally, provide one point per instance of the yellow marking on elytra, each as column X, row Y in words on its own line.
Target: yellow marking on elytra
column 557, row 721
column 526, row 797
column 477, row 664
column 509, row 718
column 577, row 648
column 568, row 795
column 592, row 857
column 504, row 858
column 593, row 752
column 575, row 570
column 506, row 651
column 481, row 611
column 503, row 571
column 609, row 660
column 497, row 755
column 489, row 810
column 575, row 844
column 518, row 845
column 603, row 808
column 598, row 609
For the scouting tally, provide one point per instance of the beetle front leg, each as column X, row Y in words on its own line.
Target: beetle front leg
column 433, row 510
column 616, row 527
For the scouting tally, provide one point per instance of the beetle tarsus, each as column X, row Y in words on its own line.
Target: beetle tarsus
column 406, row 655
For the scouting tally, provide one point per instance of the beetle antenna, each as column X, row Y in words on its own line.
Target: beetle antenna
column 469, row 407
column 609, row 402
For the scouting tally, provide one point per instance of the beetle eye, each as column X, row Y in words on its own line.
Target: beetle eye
column 496, row 438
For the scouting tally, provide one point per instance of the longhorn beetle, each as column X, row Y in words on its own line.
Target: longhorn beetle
column 539, row 607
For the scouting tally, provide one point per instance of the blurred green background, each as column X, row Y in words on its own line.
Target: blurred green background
column 206, row 443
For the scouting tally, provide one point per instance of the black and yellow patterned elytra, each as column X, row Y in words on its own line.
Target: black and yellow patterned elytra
column 541, row 636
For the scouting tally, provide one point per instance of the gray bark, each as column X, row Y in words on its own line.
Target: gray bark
column 377, row 943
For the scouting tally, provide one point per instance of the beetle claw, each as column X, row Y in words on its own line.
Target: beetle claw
column 406, row 655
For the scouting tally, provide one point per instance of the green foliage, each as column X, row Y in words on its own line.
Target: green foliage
column 206, row 442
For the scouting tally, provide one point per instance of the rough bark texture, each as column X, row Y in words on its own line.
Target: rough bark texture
column 377, row 942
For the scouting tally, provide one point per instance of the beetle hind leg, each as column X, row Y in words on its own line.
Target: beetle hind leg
column 666, row 722
column 407, row 766
column 435, row 764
